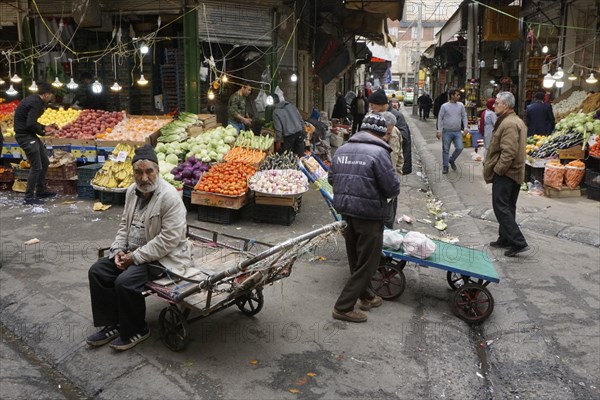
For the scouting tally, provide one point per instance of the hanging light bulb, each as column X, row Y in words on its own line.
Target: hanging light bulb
column 2, row 82
column 225, row 79
column 33, row 87
column 97, row 87
column 590, row 79
column 545, row 49
column 11, row 91
column 211, row 95
column 495, row 63
column 482, row 64
column 548, row 81
column 15, row 79
column 294, row 77
column 144, row 49
column 559, row 83
column 115, row 87
column 559, row 73
column 57, row 83
column 72, row 85
column 270, row 100
column 142, row 81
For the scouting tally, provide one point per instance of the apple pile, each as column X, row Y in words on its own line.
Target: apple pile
column 90, row 123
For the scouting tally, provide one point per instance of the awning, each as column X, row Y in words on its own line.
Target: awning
column 450, row 28
column 392, row 9
column 430, row 51
column 371, row 26
column 332, row 57
column 383, row 52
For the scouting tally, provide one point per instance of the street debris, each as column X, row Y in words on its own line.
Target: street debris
column 98, row 206
column 32, row 241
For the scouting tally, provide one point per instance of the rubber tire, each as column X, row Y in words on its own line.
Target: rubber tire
column 174, row 328
column 468, row 294
column 452, row 280
column 252, row 303
column 391, row 277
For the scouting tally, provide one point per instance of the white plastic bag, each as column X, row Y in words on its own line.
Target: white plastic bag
column 392, row 239
column 418, row 245
column 261, row 101
column 279, row 93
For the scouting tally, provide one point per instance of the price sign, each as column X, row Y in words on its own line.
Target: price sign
column 122, row 156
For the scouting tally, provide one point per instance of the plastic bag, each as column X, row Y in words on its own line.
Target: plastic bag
column 553, row 175
column 535, row 188
column 418, row 245
column 392, row 239
column 260, row 101
column 573, row 176
column 279, row 93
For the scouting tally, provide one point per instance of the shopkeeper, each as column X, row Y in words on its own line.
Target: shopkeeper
column 236, row 110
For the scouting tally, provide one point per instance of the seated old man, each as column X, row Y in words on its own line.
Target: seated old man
column 151, row 239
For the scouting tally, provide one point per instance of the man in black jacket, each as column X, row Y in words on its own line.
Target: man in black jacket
column 539, row 117
column 27, row 130
column 363, row 181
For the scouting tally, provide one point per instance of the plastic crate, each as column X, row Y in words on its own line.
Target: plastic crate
column 63, row 172
column 86, row 192
column 218, row 215
column 7, row 175
column 21, row 173
column 187, row 198
column 6, row 186
column 280, row 215
column 593, row 193
column 592, row 178
column 111, row 197
column 62, row 186
column 86, row 173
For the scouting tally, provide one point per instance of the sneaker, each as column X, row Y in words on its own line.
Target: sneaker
column 45, row 195
column 498, row 244
column 515, row 251
column 367, row 304
column 350, row 316
column 445, row 170
column 453, row 165
column 125, row 344
column 103, row 336
column 29, row 201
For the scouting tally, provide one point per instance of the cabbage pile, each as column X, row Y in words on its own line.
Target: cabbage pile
column 211, row 145
column 190, row 171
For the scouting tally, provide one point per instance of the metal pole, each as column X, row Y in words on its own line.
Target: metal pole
column 417, row 61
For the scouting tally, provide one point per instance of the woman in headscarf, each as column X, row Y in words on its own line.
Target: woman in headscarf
column 488, row 119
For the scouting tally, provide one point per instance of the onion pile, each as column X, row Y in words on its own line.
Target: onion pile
column 279, row 182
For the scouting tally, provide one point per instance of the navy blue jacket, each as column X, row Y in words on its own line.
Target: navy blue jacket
column 539, row 118
column 363, row 177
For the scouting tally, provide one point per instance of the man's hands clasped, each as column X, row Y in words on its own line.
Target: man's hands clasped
column 123, row 260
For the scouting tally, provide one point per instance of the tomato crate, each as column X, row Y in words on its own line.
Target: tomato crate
column 116, row 198
column 218, row 215
column 280, row 215
column 63, row 172
column 86, row 173
column 62, row 186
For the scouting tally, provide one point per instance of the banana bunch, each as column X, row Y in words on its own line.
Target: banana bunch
column 116, row 174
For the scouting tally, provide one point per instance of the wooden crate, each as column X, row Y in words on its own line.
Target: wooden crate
column 572, row 153
column 68, row 171
column 564, row 192
column 290, row 201
column 219, row 200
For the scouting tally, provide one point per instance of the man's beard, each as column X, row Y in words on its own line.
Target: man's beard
column 148, row 187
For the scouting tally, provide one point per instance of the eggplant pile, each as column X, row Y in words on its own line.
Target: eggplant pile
column 554, row 143
column 287, row 160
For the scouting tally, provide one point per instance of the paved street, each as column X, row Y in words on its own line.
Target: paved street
column 542, row 341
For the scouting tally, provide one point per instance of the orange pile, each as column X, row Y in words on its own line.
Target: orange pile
column 230, row 179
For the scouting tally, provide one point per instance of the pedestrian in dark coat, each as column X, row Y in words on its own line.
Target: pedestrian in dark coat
column 339, row 109
column 359, row 108
column 539, row 116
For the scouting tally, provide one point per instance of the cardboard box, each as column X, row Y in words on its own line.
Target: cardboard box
column 572, row 153
column 562, row 193
column 219, row 200
column 290, row 201
column 195, row 131
column 12, row 150
column 536, row 162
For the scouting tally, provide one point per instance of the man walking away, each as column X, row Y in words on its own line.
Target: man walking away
column 452, row 119
column 504, row 168
column 539, row 116
column 363, row 180
column 359, row 107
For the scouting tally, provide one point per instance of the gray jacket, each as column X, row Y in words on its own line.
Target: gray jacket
column 286, row 119
column 165, row 226
column 363, row 177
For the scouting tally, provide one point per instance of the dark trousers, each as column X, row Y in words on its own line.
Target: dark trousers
column 117, row 295
column 38, row 159
column 295, row 143
column 505, row 192
column 357, row 122
column 391, row 216
column 364, row 242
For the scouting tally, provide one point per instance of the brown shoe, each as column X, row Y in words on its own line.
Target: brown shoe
column 367, row 304
column 350, row 316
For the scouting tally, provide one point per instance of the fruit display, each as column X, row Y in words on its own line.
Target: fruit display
column 241, row 154
column 573, row 130
column 595, row 148
column 7, row 113
column 279, row 182
column 176, row 131
column 286, row 160
column 117, row 172
column 90, row 123
column 60, row 117
column 8, row 132
column 134, row 129
column 249, row 140
column 228, row 179
column 190, row 171
column 534, row 142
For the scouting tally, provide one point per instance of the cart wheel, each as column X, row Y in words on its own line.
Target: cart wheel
column 472, row 303
column 251, row 303
column 456, row 280
column 389, row 281
column 174, row 328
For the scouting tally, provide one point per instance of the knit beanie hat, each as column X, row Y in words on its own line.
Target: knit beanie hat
column 378, row 97
column 145, row 152
column 374, row 123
